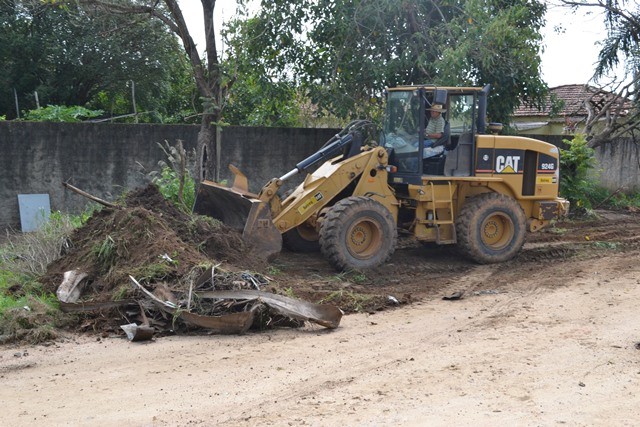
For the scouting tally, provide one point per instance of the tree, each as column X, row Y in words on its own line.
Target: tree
column 258, row 97
column 211, row 82
column 69, row 56
column 615, row 113
column 343, row 53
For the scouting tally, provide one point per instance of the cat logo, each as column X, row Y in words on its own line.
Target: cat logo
column 507, row 164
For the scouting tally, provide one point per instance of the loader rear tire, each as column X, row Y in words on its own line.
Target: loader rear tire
column 491, row 228
column 358, row 233
column 303, row 238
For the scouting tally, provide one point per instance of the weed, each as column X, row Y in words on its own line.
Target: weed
column 358, row 277
column 29, row 319
column 289, row 292
column 121, row 293
column 617, row 199
column 340, row 277
column 557, row 230
column 105, row 252
column 61, row 113
column 349, row 300
column 76, row 221
column 273, row 270
column 606, row 245
column 174, row 180
column 353, row 276
column 27, row 312
column 30, row 253
column 152, row 272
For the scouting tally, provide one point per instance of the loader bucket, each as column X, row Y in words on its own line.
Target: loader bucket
column 242, row 211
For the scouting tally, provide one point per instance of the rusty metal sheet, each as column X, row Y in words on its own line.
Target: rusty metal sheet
column 325, row 315
column 94, row 306
column 234, row 323
column 138, row 332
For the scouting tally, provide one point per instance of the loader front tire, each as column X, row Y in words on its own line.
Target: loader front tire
column 303, row 238
column 491, row 228
column 358, row 233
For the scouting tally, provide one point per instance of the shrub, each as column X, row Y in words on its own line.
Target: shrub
column 168, row 182
column 59, row 113
column 174, row 180
column 578, row 178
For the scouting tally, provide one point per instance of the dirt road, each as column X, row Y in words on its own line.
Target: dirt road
column 550, row 338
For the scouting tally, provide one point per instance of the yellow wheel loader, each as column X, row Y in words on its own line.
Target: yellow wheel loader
column 472, row 187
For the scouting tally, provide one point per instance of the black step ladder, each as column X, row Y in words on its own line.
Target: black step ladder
column 439, row 223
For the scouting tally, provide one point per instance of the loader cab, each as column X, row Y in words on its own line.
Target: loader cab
column 404, row 127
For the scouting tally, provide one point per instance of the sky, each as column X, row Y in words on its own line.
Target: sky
column 568, row 57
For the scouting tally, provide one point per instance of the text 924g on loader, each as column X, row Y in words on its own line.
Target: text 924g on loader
column 482, row 193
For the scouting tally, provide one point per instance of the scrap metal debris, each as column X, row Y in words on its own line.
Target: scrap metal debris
column 138, row 332
column 454, row 296
column 323, row 314
column 235, row 311
column 219, row 301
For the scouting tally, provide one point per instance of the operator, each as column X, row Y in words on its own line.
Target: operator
column 434, row 131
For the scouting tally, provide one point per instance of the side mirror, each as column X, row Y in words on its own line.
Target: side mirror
column 440, row 96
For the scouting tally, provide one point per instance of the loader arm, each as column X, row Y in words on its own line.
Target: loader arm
column 348, row 137
column 254, row 214
column 367, row 170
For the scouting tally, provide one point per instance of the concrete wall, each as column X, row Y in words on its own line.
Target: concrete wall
column 619, row 166
column 107, row 159
column 265, row 153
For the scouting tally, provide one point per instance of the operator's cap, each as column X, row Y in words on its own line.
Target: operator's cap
column 438, row 108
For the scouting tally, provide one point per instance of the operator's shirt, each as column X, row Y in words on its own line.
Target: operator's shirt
column 435, row 125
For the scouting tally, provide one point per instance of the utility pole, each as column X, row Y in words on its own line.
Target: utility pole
column 15, row 95
column 133, row 99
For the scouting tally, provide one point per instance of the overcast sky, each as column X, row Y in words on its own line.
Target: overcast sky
column 568, row 58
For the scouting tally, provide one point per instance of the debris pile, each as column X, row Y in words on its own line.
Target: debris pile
column 157, row 268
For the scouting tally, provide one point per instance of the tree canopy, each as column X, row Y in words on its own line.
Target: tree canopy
column 71, row 55
column 343, row 53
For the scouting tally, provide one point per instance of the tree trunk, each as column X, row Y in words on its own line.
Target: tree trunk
column 206, row 149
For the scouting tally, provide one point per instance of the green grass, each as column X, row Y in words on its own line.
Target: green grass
column 289, row 292
column 606, row 245
column 273, row 270
column 618, row 199
column 353, row 276
column 349, row 300
column 557, row 230
column 150, row 272
column 27, row 312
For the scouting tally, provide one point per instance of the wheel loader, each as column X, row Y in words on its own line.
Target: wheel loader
column 483, row 192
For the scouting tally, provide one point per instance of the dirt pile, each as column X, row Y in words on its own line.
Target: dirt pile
column 116, row 243
column 149, row 239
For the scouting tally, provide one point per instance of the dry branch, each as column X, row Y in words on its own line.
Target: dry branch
column 89, row 196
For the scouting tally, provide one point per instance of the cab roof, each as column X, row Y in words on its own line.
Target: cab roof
column 431, row 87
